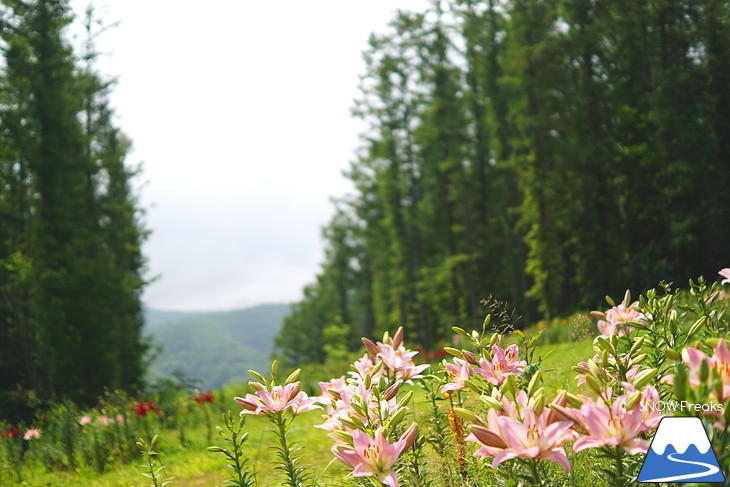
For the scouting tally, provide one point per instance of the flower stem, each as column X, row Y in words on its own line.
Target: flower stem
column 293, row 473
column 534, row 470
column 620, row 476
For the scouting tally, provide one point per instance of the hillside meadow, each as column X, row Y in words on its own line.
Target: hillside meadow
column 193, row 465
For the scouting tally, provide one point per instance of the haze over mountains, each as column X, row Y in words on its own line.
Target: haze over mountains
column 214, row 347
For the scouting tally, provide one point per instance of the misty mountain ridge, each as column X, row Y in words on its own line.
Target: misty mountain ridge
column 215, row 347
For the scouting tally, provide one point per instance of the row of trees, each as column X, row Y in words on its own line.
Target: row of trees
column 70, row 259
column 542, row 153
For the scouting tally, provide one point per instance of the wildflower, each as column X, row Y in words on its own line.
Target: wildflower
column 614, row 425
column 12, row 432
column 331, row 390
column 277, row 400
column 726, row 274
column 504, row 362
column 104, row 420
column 32, row 434
column 85, row 419
column 632, row 370
column 399, row 362
column 370, row 456
column 720, row 361
column 365, row 366
column 613, row 321
column 459, row 372
column 201, row 398
column 142, row 408
column 535, row 436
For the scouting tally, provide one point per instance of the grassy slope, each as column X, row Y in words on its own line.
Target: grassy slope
column 194, row 466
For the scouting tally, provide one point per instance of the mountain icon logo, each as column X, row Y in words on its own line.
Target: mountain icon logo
column 680, row 452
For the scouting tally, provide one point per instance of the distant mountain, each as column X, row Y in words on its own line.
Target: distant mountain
column 215, row 347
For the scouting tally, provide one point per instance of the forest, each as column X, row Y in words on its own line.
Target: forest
column 525, row 157
column 71, row 268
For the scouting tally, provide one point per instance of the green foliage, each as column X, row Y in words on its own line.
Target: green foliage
column 540, row 152
column 154, row 469
column 235, row 437
column 70, row 259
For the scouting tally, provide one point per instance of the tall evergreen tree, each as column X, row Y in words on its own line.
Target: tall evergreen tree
column 71, row 276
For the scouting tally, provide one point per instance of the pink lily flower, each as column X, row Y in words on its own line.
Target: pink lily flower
column 277, row 400
column 331, row 390
column 615, row 426
column 536, row 436
column 459, row 372
column 399, row 362
column 302, row 403
column 32, row 434
column 364, row 366
column 726, row 274
column 372, row 455
column 504, row 361
column 720, row 361
column 610, row 321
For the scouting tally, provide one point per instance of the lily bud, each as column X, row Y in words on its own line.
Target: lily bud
column 487, row 437
column 470, row 357
column 398, row 338
column 293, row 376
column 458, row 330
column 697, row 326
column 247, row 405
column 573, row 400
column 453, row 351
column 636, row 345
column 510, row 386
column 371, row 348
column 397, row 417
column 633, row 400
column 561, row 399
column 594, row 384
column 537, row 402
column 532, row 386
column 672, row 354
column 597, row 315
column 566, row 414
column 594, row 369
column 392, row 391
column 257, row 376
column 342, row 436
column 468, row 415
column 403, row 401
column 256, row 386
column 644, row 378
column 409, row 436
column 491, row 402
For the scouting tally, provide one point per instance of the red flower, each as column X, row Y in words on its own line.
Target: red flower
column 142, row 409
column 12, row 432
column 152, row 408
column 201, row 398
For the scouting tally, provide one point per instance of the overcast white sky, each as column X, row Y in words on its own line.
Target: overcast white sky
column 240, row 111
